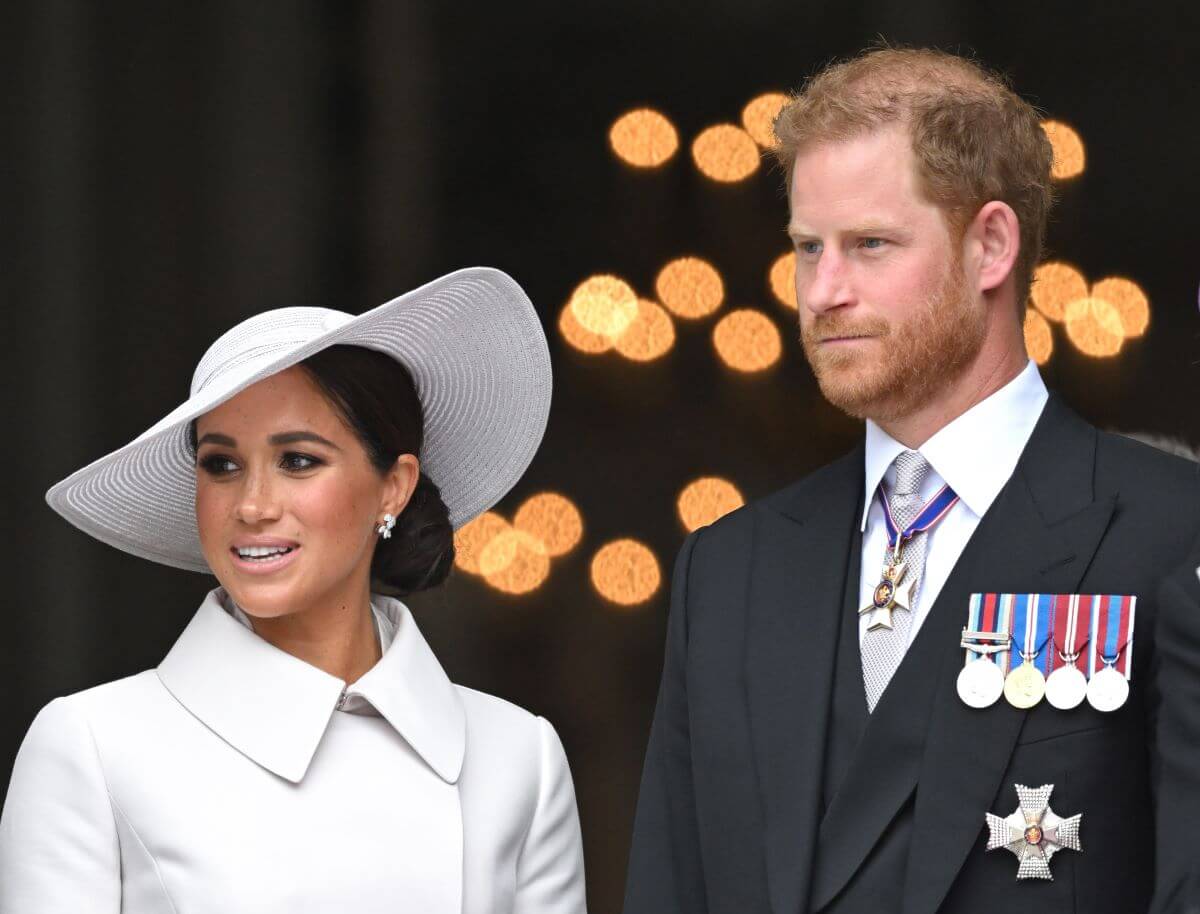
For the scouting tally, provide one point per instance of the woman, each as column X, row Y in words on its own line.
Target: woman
column 300, row 748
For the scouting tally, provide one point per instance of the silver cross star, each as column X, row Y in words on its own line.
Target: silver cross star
column 1033, row 832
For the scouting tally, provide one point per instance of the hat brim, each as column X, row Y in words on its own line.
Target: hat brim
column 481, row 366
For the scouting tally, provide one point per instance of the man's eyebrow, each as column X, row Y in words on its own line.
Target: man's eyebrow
column 868, row 227
column 281, row 438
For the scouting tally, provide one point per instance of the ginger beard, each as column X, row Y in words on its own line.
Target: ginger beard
column 914, row 360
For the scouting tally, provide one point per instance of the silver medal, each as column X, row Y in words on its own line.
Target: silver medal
column 980, row 683
column 1107, row 690
column 1066, row 688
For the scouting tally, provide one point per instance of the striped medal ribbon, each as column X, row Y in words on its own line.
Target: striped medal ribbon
column 1066, row 686
column 1025, row 683
column 986, row 640
column 888, row 593
column 1110, row 655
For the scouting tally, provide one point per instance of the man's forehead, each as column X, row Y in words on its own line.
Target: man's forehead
column 864, row 178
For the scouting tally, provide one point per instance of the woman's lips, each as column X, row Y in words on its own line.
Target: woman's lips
column 264, row 566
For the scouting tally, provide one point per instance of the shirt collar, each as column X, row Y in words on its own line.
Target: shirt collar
column 976, row 453
column 274, row 708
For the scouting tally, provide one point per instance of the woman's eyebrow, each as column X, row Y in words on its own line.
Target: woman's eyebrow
column 281, row 438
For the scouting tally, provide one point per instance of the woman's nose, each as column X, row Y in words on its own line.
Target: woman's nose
column 258, row 500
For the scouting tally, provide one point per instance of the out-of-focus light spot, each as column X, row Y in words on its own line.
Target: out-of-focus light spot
column 470, row 539
column 579, row 337
column 515, row 562
column 604, row 304
column 650, row 336
column 725, row 153
column 1056, row 285
column 643, row 138
column 551, row 519
column 625, row 572
column 1094, row 326
column 747, row 340
column 1069, row 157
column 782, row 279
column 707, row 499
column 1039, row 341
column 758, row 117
column 1130, row 301
column 690, row 287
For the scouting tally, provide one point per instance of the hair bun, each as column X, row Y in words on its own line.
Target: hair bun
column 420, row 551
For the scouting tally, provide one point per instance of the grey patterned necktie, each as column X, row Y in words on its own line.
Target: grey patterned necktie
column 883, row 649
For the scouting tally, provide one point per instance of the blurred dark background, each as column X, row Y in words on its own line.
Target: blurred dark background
column 173, row 168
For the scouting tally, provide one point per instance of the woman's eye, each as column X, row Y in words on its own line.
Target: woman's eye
column 218, row 465
column 215, row 464
column 293, row 461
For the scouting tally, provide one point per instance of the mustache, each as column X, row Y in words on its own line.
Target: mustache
column 826, row 327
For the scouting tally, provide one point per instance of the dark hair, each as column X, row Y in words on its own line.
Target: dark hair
column 375, row 396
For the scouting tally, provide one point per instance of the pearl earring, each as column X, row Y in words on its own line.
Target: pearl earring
column 385, row 529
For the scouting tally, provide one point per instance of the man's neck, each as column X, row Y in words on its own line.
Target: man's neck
column 982, row 380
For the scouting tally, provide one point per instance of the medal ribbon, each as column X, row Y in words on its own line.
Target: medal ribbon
column 1072, row 627
column 991, row 612
column 1031, row 629
column 935, row 509
column 1111, row 633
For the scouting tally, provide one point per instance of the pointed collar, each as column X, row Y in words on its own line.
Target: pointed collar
column 274, row 708
column 977, row 452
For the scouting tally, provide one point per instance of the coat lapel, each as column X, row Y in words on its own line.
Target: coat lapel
column 1038, row 536
column 804, row 540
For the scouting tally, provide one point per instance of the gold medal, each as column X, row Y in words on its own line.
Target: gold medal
column 1025, row 685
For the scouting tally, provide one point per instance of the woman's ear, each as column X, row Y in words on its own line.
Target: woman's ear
column 399, row 484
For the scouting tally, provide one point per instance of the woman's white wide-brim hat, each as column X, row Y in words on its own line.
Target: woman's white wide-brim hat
column 477, row 355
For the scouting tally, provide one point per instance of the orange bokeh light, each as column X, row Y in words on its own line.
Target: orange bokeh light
column 470, row 540
column 1094, row 327
column 705, row 500
column 626, row 572
column 644, row 138
column 725, row 153
column 578, row 336
column 604, row 304
column 1039, row 341
column 515, row 562
column 650, row 336
column 758, row 117
column 782, row 279
column 552, row 520
column 1056, row 285
column 747, row 340
column 1069, row 156
column 1131, row 303
column 690, row 287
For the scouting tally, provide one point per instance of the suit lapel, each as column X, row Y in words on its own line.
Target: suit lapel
column 1038, row 536
column 800, row 557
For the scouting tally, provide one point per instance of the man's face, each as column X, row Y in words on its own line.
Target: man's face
column 886, row 317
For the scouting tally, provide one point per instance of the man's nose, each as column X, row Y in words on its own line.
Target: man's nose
column 828, row 285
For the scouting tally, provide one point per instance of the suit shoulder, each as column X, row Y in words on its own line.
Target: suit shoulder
column 1128, row 462
column 836, row 473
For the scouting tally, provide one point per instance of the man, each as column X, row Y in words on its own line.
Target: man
column 814, row 747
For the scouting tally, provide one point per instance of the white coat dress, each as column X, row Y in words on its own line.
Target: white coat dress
column 227, row 780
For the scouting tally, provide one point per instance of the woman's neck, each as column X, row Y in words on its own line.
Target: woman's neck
column 337, row 637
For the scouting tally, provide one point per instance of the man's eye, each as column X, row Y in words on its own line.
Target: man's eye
column 873, row 243
column 809, row 247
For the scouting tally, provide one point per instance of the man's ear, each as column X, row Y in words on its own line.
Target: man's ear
column 994, row 238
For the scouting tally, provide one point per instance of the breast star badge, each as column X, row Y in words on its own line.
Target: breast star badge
column 888, row 595
column 1033, row 832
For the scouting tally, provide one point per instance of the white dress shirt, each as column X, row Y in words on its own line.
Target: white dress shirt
column 976, row 454
column 224, row 781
